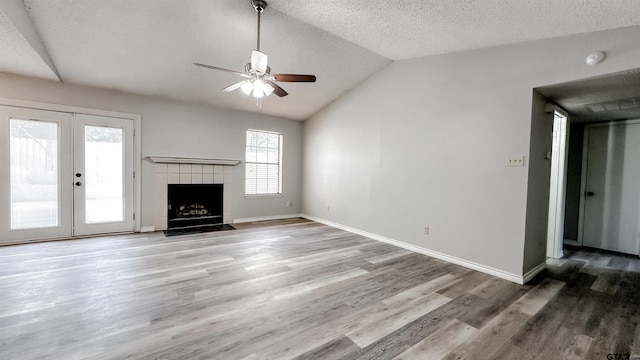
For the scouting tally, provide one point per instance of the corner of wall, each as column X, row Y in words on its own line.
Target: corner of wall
column 537, row 213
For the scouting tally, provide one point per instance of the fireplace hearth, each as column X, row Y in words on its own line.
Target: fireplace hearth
column 194, row 205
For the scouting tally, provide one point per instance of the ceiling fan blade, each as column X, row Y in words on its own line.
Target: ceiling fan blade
column 259, row 61
column 294, row 78
column 277, row 89
column 221, row 69
column 236, row 85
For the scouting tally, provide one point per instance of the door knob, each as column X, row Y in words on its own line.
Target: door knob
column 590, row 193
column 78, row 183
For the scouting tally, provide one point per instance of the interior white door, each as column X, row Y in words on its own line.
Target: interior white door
column 103, row 175
column 612, row 198
column 35, row 176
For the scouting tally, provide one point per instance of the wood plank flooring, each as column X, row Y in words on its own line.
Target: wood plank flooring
column 296, row 289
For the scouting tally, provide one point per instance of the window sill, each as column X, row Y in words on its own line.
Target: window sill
column 266, row 196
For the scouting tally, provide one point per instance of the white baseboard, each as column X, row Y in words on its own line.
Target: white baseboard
column 533, row 272
column 518, row 279
column 265, row 218
column 147, row 229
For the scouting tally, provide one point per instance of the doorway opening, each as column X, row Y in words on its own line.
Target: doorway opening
column 600, row 100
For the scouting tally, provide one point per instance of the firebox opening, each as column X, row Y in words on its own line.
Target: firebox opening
column 194, row 205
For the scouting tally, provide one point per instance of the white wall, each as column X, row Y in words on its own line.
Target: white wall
column 424, row 143
column 173, row 128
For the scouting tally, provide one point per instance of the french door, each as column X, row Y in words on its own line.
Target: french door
column 64, row 175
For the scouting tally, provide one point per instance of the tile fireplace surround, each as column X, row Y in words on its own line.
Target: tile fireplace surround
column 186, row 172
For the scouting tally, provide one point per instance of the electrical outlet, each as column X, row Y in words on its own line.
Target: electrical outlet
column 515, row 161
column 328, row 208
column 288, row 204
column 426, row 230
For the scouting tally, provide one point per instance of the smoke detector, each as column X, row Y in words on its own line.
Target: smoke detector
column 595, row 58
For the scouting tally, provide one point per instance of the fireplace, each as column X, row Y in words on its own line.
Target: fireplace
column 194, row 205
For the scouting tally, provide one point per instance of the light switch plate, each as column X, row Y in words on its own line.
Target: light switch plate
column 515, row 161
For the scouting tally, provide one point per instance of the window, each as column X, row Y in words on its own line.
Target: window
column 263, row 163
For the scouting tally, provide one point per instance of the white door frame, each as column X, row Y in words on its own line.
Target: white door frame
column 136, row 118
column 583, row 174
column 558, row 185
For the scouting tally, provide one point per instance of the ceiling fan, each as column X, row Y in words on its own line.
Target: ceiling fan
column 259, row 81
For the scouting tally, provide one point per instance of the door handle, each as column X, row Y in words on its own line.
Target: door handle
column 590, row 193
column 78, row 183
column 78, row 174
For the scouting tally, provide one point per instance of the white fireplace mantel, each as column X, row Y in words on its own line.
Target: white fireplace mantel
column 191, row 160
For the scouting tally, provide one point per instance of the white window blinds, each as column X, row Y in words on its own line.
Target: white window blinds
column 263, row 163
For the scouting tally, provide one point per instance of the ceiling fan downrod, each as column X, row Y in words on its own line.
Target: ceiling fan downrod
column 259, row 5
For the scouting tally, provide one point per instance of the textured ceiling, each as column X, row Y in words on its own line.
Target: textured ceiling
column 147, row 46
column 405, row 29
column 17, row 55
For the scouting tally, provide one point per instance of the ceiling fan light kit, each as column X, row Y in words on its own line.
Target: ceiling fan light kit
column 259, row 81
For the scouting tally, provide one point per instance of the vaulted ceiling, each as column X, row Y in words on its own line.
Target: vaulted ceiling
column 148, row 46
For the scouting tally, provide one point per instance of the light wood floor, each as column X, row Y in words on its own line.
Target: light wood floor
column 299, row 289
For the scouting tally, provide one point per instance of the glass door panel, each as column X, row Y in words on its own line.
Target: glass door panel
column 103, row 174
column 33, row 151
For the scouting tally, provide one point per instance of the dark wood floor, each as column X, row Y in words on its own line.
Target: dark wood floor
column 299, row 289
